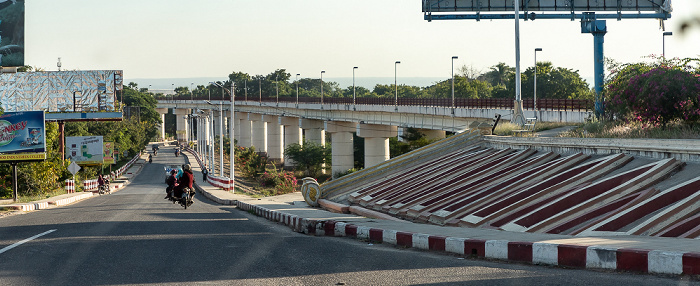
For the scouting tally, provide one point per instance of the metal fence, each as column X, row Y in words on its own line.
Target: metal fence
column 486, row 103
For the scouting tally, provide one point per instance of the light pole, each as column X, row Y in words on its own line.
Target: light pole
column 353, row 87
column 453, row 84
column 534, row 97
column 322, row 72
column 173, row 85
column 191, row 92
column 245, row 87
column 297, row 81
column 221, row 130
column 396, row 87
column 664, row 42
column 260, row 89
column 277, row 90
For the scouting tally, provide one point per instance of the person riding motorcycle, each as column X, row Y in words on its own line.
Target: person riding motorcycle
column 172, row 182
column 186, row 181
column 150, row 158
column 177, row 152
column 100, row 182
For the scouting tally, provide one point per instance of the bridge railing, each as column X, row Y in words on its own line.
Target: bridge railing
column 483, row 103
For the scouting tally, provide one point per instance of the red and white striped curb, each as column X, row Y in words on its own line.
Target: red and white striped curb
column 575, row 256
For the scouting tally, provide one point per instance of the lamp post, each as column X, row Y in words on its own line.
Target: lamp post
column 260, row 89
column 173, row 86
column 191, row 92
column 322, row 72
column 396, row 87
column 353, row 87
column 535, row 91
column 664, row 42
column 277, row 90
column 297, row 81
column 453, row 83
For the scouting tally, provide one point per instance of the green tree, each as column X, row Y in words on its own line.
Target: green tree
column 310, row 157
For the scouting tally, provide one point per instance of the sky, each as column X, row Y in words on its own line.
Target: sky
column 212, row 38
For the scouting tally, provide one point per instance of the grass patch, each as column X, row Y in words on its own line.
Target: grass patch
column 600, row 129
column 27, row 199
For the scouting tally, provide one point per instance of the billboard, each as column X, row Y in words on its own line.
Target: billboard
column 12, row 33
column 546, row 5
column 85, row 150
column 108, row 157
column 22, row 136
column 64, row 91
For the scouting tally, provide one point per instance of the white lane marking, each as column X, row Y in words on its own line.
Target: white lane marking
column 26, row 240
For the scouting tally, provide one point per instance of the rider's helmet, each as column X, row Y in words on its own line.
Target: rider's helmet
column 187, row 167
column 173, row 172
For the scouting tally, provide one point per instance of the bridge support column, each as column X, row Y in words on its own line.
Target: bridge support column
column 292, row 135
column 244, row 139
column 161, row 127
column 342, row 146
column 313, row 129
column 274, row 138
column 433, row 134
column 237, row 126
column 376, row 142
column 258, row 134
column 182, row 127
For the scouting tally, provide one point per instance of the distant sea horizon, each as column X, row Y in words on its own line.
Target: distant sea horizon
column 166, row 84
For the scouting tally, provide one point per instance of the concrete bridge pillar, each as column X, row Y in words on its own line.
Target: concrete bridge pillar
column 313, row 130
column 181, row 123
column 161, row 127
column 258, row 134
column 342, row 145
column 433, row 134
column 237, row 126
column 376, row 142
column 245, row 138
column 292, row 135
column 274, row 138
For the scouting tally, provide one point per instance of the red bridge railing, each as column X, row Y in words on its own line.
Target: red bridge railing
column 486, row 103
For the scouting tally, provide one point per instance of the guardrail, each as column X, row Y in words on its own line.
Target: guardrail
column 486, row 103
column 216, row 181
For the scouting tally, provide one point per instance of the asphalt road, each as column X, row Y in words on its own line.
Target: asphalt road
column 135, row 237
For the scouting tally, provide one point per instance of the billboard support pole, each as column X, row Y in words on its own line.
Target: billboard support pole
column 15, row 185
column 518, row 114
column 62, row 140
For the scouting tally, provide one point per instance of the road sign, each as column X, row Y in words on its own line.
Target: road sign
column 73, row 168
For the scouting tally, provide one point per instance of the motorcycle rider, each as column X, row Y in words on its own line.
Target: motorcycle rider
column 150, row 158
column 100, row 182
column 172, row 182
column 186, row 181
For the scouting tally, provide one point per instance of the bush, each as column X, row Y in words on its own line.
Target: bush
column 656, row 93
column 283, row 182
column 250, row 164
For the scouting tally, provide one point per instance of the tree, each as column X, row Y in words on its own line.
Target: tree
column 309, row 157
column 555, row 82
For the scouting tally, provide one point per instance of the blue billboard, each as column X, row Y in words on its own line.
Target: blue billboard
column 11, row 33
column 22, row 136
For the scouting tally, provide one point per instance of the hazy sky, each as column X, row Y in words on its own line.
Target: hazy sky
column 212, row 38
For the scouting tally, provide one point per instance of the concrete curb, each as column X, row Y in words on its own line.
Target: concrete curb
column 539, row 253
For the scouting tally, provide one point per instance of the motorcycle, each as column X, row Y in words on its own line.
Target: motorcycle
column 186, row 199
column 102, row 189
column 177, row 152
column 150, row 159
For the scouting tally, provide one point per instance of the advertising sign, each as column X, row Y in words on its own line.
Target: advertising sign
column 85, row 150
column 22, row 136
column 64, row 91
column 12, row 33
column 108, row 152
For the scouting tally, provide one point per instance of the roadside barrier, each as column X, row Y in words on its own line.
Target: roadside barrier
column 70, row 186
column 216, row 181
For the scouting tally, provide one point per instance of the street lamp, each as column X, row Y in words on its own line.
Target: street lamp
column 277, row 90
column 353, row 87
column 534, row 97
column 664, row 42
column 297, row 81
column 396, row 87
column 453, row 83
column 322, row 72
column 173, row 85
column 260, row 89
column 191, row 92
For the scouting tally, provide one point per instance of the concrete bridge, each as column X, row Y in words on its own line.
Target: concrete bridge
column 272, row 124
